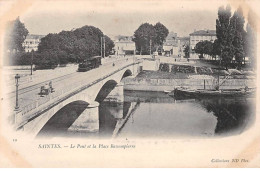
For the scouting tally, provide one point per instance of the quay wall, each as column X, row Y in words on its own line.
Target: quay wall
column 143, row 84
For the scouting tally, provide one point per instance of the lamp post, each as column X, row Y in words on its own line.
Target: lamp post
column 17, row 76
column 104, row 41
column 101, row 38
column 32, row 62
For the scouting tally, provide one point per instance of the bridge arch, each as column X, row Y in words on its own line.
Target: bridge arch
column 105, row 90
column 61, row 120
column 127, row 73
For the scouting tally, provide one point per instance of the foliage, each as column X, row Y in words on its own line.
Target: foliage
column 187, row 51
column 164, row 67
column 147, row 35
column 46, row 59
column 21, row 58
column 204, row 47
column 143, row 37
column 15, row 36
column 225, row 34
column 216, row 48
column 232, row 39
column 237, row 21
column 73, row 46
column 109, row 44
column 161, row 34
column 251, row 41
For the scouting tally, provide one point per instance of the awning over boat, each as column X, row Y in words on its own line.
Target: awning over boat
column 234, row 72
column 220, row 72
column 248, row 73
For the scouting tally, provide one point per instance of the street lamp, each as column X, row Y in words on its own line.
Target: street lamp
column 32, row 62
column 17, row 77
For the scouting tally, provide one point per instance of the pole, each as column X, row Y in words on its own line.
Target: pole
column 104, row 40
column 101, row 46
column 220, row 57
column 133, row 66
column 16, row 100
column 32, row 63
column 150, row 46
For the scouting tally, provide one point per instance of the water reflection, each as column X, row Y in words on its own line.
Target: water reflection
column 109, row 114
column 234, row 115
column 160, row 115
column 154, row 114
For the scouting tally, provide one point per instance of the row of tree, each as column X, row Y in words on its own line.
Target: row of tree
column 233, row 41
column 149, row 38
column 74, row 46
column 61, row 48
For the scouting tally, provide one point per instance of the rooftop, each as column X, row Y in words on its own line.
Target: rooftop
column 204, row 33
column 34, row 36
column 171, row 36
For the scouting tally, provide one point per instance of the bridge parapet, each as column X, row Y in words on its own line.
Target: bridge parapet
column 36, row 108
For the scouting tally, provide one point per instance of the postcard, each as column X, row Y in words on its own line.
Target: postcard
column 129, row 84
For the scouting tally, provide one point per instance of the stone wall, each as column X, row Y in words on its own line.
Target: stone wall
column 169, row 84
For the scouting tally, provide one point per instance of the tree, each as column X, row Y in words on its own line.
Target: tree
column 49, row 42
column 225, row 34
column 251, row 29
column 216, row 51
column 161, row 34
column 73, row 46
column 88, row 42
column 150, row 38
column 47, row 59
column 16, row 34
column 199, row 49
column 187, row 51
column 237, row 21
column 204, row 47
column 208, row 47
column 144, row 36
column 109, row 45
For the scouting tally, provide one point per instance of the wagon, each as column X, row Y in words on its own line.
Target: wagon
column 45, row 90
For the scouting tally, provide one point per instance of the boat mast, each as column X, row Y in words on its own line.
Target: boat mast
column 220, row 56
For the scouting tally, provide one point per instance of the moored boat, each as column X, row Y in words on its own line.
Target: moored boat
column 182, row 92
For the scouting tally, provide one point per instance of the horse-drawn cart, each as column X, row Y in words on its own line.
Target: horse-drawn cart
column 46, row 89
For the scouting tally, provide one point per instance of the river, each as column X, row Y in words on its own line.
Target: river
column 157, row 115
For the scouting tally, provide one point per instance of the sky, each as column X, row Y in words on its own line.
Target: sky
column 120, row 17
column 120, row 24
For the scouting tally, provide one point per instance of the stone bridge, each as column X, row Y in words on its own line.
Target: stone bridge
column 108, row 85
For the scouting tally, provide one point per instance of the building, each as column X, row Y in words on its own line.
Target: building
column 170, row 46
column 31, row 42
column 124, row 45
column 198, row 36
column 182, row 43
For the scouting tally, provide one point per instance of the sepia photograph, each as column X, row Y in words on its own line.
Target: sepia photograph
column 129, row 84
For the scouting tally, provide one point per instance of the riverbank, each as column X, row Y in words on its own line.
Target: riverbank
column 163, row 81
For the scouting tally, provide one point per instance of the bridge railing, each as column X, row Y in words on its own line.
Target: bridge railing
column 25, row 111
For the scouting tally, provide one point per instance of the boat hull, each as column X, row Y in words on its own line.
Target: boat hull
column 184, row 93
